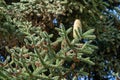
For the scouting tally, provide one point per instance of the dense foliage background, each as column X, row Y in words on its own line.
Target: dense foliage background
column 33, row 44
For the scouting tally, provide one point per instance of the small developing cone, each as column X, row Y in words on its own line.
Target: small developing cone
column 77, row 24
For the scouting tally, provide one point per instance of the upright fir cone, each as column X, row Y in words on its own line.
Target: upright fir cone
column 77, row 24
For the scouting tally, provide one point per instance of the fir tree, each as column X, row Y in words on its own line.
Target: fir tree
column 35, row 51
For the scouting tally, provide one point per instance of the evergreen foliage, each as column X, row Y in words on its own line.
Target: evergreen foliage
column 36, row 36
column 37, row 59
